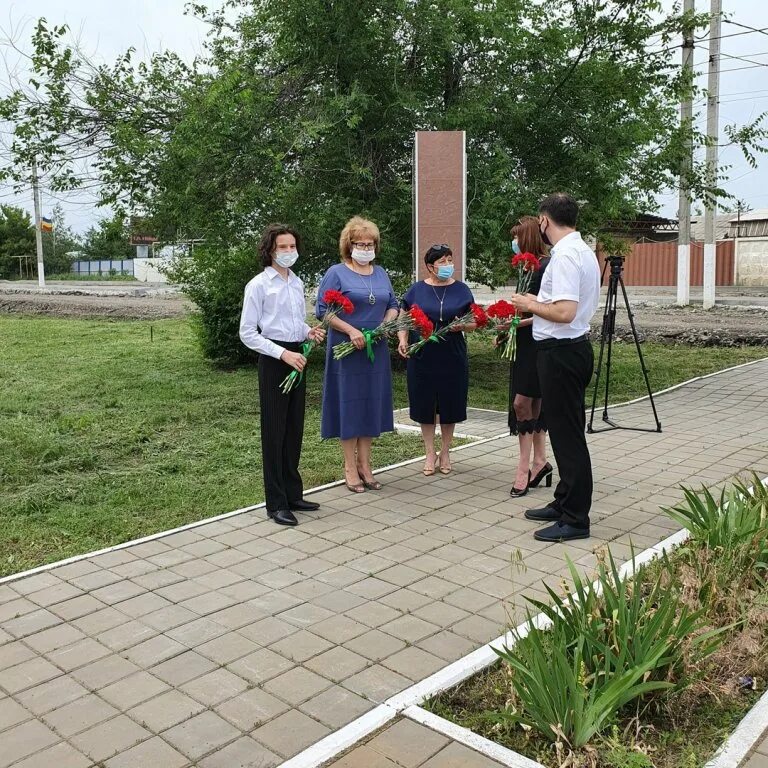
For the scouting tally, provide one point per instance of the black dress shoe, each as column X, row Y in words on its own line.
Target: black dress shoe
column 283, row 517
column 303, row 506
column 561, row 532
column 544, row 514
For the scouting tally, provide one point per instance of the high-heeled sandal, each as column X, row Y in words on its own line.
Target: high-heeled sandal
column 371, row 485
column 427, row 471
column 446, row 470
column 544, row 472
column 517, row 492
column 354, row 487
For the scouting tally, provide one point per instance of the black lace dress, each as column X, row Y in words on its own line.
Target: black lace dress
column 523, row 377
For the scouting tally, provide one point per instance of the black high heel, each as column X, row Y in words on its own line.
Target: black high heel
column 544, row 472
column 517, row 492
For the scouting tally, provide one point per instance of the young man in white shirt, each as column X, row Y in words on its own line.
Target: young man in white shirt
column 567, row 300
column 273, row 323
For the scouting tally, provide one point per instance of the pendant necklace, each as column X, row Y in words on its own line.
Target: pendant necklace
column 371, row 297
column 439, row 299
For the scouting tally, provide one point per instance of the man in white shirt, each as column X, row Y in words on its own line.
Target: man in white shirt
column 273, row 323
column 567, row 300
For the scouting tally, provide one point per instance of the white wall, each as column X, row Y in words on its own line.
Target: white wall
column 146, row 270
column 751, row 267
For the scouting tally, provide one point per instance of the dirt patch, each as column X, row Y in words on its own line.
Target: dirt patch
column 82, row 306
column 718, row 327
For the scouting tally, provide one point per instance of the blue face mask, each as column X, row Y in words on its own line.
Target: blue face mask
column 515, row 247
column 445, row 271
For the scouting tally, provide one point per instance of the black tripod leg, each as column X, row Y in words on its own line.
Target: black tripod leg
column 640, row 353
column 612, row 297
column 603, row 334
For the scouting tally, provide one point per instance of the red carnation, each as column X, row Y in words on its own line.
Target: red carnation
column 531, row 262
column 501, row 310
column 481, row 318
column 339, row 299
column 421, row 322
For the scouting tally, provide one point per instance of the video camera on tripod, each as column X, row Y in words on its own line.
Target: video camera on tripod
column 607, row 333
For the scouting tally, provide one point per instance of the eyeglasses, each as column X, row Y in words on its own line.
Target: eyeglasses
column 364, row 246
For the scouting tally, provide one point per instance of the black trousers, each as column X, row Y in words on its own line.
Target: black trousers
column 282, row 430
column 565, row 371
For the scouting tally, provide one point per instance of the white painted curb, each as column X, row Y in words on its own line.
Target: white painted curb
column 744, row 738
column 470, row 739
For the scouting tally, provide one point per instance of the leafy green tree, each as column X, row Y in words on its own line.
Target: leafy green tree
column 109, row 239
column 17, row 238
column 60, row 242
column 305, row 111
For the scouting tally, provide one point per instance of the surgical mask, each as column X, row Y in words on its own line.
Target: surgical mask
column 515, row 247
column 445, row 271
column 363, row 257
column 286, row 259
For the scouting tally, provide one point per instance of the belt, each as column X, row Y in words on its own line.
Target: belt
column 550, row 343
column 293, row 346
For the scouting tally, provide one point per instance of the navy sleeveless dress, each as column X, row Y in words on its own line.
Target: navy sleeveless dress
column 438, row 375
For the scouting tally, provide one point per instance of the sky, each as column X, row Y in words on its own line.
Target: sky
column 107, row 29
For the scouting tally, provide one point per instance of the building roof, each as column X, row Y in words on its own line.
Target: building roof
column 759, row 214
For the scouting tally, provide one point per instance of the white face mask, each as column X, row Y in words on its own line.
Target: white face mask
column 286, row 259
column 363, row 257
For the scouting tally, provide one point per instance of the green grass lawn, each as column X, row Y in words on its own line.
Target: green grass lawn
column 106, row 436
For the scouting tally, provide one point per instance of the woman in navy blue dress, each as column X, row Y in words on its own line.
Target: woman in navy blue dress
column 357, row 393
column 438, row 375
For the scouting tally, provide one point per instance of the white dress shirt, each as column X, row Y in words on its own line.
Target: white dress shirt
column 572, row 275
column 273, row 308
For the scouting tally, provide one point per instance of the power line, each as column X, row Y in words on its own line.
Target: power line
column 763, row 31
column 742, row 58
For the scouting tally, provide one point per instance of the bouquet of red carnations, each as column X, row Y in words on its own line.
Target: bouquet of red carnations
column 426, row 328
column 525, row 265
column 337, row 303
column 402, row 322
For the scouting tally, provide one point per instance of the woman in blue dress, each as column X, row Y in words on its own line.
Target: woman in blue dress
column 438, row 375
column 357, row 393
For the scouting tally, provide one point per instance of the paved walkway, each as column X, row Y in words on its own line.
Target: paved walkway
column 241, row 643
column 759, row 758
column 480, row 423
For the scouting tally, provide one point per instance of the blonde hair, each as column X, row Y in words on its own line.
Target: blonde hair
column 354, row 229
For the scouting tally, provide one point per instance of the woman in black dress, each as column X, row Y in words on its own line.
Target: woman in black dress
column 438, row 374
column 525, row 417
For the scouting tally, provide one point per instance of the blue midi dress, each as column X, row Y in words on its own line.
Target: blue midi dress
column 357, row 394
column 438, row 375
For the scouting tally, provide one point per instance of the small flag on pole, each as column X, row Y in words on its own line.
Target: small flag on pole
column 46, row 224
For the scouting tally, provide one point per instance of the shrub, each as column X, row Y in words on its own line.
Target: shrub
column 215, row 278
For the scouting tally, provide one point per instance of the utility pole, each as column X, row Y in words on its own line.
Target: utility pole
column 684, row 205
column 713, row 115
column 38, row 232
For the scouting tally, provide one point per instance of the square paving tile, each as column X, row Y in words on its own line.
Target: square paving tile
column 215, row 687
column 251, row 709
column 165, row 711
column 243, row 753
column 154, row 753
column 288, row 734
column 408, row 743
column 200, row 735
column 79, row 715
column 296, row 685
column 109, row 738
column 336, row 707
column 25, row 739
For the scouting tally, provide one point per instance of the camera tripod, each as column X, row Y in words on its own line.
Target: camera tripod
column 607, row 332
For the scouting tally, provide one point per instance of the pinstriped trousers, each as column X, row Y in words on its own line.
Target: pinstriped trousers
column 282, row 430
